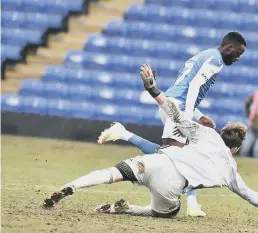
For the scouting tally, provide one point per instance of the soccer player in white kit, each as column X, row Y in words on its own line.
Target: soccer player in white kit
column 192, row 83
column 205, row 162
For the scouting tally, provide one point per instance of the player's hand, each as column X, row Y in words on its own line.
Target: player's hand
column 208, row 122
column 148, row 76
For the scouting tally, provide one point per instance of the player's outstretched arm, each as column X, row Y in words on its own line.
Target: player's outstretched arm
column 186, row 126
column 239, row 187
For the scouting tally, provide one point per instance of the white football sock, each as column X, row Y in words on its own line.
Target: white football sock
column 139, row 210
column 191, row 200
column 97, row 177
column 125, row 135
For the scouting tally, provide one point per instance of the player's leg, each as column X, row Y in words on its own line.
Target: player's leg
column 171, row 136
column 97, row 177
column 150, row 172
column 123, row 207
column 166, row 184
column 118, row 131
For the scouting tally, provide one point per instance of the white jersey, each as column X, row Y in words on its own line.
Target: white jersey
column 206, row 161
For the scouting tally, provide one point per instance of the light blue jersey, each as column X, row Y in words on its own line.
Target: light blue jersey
column 195, row 78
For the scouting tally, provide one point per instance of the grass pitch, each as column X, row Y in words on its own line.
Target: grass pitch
column 33, row 168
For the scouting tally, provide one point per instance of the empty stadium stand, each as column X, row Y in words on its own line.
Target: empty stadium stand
column 92, row 71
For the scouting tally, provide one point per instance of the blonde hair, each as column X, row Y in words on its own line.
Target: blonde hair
column 233, row 134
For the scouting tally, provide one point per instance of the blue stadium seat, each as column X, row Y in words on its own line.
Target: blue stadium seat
column 12, row 52
column 35, row 105
column 80, row 92
column 46, row 6
column 111, row 95
column 12, row 19
column 139, row 115
column 44, row 89
column 97, row 79
column 11, row 4
column 248, row 6
column 63, row 74
column 121, row 45
column 32, row 87
column 132, row 114
column 11, row 103
column 59, row 107
column 231, row 90
column 82, row 109
column 165, row 32
column 56, row 90
column 164, row 50
column 108, row 112
column 235, row 74
column 193, row 17
column 33, row 6
column 91, row 77
column 240, row 74
column 22, row 36
column 64, row 6
column 55, row 74
column 227, row 105
column 16, row 19
column 120, row 63
column 221, row 5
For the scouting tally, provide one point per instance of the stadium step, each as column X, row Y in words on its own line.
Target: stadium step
column 48, row 56
column 88, row 25
column 98, row 7
column 45, row 59
column 10, row 86
column 64, row 45
column 122, row 5
column 23, row 71
column 68, row 38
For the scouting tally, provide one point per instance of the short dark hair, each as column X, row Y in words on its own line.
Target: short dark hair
column 233, row 134
column 234, row 37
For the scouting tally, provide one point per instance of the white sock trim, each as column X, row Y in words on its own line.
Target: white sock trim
column 126, row 135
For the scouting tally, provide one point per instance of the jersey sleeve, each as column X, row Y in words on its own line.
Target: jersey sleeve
column 197, row 114
column 206, row 71
column 238, row 186
column 188, row 127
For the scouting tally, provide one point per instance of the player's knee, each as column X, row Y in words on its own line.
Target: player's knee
column 126, row 171
column 171, row 214
column 116, row 175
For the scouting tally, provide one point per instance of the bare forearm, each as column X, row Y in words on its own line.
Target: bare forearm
column 160, row 99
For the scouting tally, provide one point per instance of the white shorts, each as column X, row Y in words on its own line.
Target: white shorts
column 170, row 126
column 158, row 173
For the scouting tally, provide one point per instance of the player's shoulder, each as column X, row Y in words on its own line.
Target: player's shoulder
column 213, row 56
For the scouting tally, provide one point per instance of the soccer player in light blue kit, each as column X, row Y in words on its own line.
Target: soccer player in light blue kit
column 193, row 81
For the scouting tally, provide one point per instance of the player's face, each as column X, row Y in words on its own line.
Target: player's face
column 233, row 53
